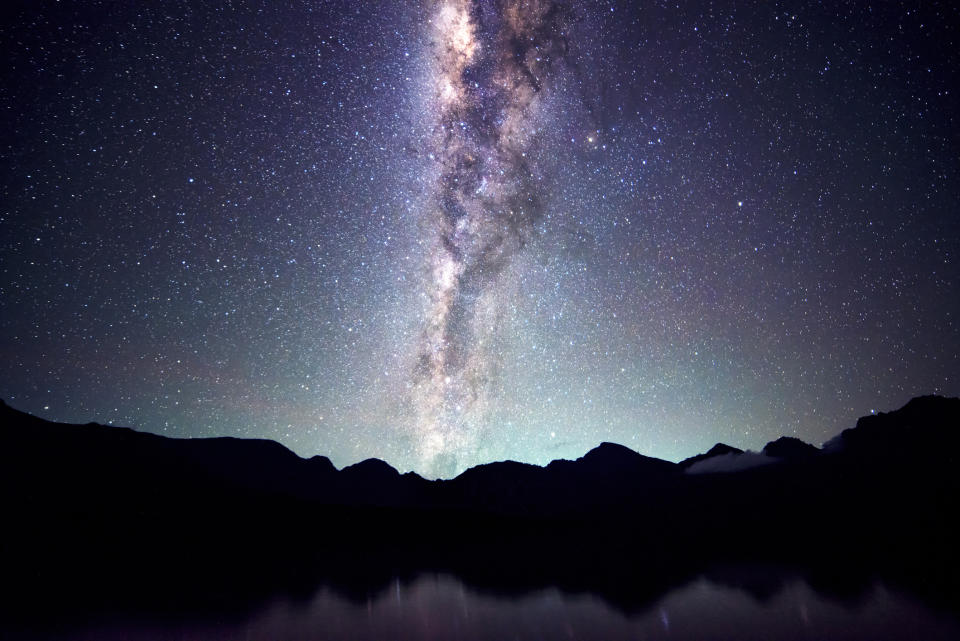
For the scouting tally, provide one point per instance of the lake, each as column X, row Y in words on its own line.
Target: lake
column 441, row 606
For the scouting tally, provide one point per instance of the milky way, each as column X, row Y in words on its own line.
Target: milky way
column 493, row 63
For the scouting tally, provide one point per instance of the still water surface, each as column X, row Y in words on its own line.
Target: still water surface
column 442, row 607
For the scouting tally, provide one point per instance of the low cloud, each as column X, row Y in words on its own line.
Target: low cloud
column 730, row 463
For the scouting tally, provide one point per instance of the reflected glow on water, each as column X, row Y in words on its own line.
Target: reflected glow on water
column 442, row 607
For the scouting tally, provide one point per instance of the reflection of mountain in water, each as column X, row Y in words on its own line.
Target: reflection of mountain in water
column 109, row 518
column 736, row 602
column 724, row 604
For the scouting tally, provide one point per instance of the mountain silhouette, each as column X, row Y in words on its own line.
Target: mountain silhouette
column 107, row 507
column 720, row 449
column 788, row 448
column 926, row 427
column 115, row 459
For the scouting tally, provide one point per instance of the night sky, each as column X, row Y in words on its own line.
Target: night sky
column 445, row 233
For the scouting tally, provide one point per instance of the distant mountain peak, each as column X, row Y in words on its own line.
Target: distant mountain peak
column 720, row 449
column 612, row 451
column 922, row 420
column 790, row 448
column 612, row 460
column 723, row 448
column 322, row 462
column 372, row 466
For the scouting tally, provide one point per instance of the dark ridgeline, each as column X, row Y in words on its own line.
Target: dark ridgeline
column 720, row 449
column 108, row 517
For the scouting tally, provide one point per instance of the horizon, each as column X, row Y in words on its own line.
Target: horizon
column 745, row 450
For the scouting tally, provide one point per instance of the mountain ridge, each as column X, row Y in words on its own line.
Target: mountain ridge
column 607, row 477
column 606, row 454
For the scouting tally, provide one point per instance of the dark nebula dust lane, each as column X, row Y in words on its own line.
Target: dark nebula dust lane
column 494, row 63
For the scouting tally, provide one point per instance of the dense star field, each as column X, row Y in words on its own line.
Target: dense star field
column 444, row 233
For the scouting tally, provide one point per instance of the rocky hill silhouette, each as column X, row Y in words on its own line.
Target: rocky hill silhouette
column 97, row 509
column 720, row 449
